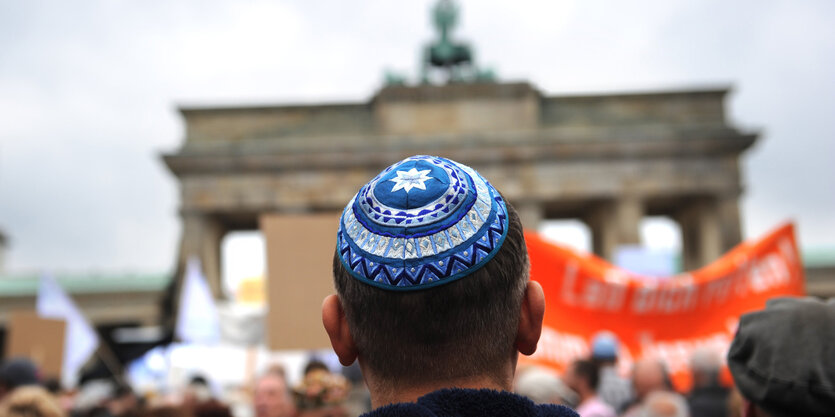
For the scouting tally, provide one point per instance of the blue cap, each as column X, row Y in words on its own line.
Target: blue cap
column 17, row 372
column 422, row 222
column 604, row 346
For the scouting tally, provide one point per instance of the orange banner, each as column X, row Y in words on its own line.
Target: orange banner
column 652, row 317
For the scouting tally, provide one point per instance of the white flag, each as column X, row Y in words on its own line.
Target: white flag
column 80, row 340
column 197, row 318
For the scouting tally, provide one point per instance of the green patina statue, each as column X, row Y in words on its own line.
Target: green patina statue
column 455, row 59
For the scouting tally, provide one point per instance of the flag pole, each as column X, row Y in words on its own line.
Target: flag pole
column 111, row 362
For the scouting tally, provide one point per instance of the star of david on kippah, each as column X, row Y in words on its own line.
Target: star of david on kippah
column 422, row 222
column 412, row 178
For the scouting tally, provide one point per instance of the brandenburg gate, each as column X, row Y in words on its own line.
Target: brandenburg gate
column 608, row 160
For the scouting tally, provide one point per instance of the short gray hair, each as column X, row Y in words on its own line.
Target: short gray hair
column 706, row 359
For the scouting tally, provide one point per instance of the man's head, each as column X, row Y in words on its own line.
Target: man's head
column 17, row 372
column 582, row 377
column 431, row 272
column 782, row 358
column 650, row 375
column 705, row 365
column 315, row 365
column 604, row 348
column 272, row 397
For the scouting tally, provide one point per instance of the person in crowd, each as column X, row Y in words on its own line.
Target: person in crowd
column 123, row 403
column 96, row 398
column 583, row 377
column 782, row 359
column 272, row 396
column 648, row 375
column 664, row 404
column 433, row 295
column 708, row 398
column 315, row 365
column 166, row 410
column 612, row 389
column 735, row 404
column 52, row 385
column 321, row 393
column 196, row 392
column 17, row 372
column 544, row 387
column 30, row 401
column 211, row 408
column 277, row 369
column 65, row 398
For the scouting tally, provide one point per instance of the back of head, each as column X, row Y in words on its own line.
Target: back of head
column 650, row 375
column 30, row 401
column 586, row 375
column 604, row 347
column 315, row 365
column 272, row 396
column 431, row 268
column 664, row 404
column 782, row 357
column 705, row 364
column 17, row 372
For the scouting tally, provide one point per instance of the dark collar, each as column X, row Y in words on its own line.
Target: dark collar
column 460, row 402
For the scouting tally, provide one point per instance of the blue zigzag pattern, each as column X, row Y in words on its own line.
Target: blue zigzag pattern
column 459, row 261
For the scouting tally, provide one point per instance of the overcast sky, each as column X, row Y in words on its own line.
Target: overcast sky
column 89, row 90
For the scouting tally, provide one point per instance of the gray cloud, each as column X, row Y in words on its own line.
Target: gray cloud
column 89, row 93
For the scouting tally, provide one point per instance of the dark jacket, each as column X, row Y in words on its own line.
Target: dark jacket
column 457, row 402
column 710, row 401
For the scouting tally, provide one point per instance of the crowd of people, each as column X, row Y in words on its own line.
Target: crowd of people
column 434, row 303
column 594, row 388
column 320, row 393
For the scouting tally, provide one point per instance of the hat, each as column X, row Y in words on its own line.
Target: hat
column 422, row 222
column 18, row 372
column 604, row 346
column 782, row 357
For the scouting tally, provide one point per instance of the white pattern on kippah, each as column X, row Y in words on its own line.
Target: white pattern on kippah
column 443, row 240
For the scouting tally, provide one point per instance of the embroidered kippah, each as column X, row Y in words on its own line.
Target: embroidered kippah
column 422, row 222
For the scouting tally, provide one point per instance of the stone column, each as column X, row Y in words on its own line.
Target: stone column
column 615, row 223
column 2, row 252
column 729, row 224
column 701, row 232
column 530, row 213
column 202, row 236
column 629, row 210
column 599, row 220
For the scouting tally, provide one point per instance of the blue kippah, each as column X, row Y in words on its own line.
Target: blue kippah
column 422, row 222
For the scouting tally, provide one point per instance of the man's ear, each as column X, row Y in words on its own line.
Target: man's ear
column 530, row 319
column 336, row 325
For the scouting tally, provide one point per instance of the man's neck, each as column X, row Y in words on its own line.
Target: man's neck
column 383, row 393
